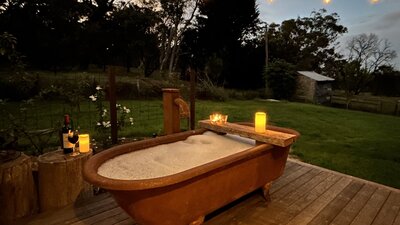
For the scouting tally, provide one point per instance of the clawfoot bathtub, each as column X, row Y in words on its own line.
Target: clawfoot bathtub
column 187, row 196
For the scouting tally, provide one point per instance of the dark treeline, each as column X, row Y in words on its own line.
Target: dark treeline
column 61, row 34
column 219, row 38
column 224, row 40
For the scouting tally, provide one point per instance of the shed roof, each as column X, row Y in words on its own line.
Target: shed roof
column 315, row 76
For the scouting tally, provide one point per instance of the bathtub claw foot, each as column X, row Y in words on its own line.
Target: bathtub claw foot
column 199, row 221
column 265, row 190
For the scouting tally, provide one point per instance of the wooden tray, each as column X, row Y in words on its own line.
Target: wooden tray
column 271, row 137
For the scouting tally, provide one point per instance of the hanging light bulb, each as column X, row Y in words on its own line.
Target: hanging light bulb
column 326, row 2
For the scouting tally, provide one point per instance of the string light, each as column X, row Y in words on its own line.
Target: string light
column 326, row 2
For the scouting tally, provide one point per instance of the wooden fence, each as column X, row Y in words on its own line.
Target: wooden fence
column 369, row 104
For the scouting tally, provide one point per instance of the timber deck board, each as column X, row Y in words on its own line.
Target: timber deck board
column 304, row 194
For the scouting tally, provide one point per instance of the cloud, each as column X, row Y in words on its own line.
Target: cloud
column 388, row 21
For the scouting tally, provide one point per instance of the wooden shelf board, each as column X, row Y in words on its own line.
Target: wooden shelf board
column 271, row 137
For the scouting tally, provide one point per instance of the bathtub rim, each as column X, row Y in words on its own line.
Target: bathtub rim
column 91, row 166
column 91, row 175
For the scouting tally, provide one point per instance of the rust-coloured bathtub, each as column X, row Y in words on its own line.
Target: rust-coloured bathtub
column 186, row 197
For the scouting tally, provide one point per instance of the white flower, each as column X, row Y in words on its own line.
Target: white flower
column 118, row 105
column 93, row 97
column 106, row 124
column 98, row 88
column 104, row 113
column 131, row 120
column 98, row 124
column 126, row 110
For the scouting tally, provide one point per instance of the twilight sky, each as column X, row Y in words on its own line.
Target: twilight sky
column 359, row 16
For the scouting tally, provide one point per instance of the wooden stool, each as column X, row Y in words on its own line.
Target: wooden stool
column 60, row 179
column 17, row 190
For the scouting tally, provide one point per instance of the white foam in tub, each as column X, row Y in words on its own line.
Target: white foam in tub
column 168, row 159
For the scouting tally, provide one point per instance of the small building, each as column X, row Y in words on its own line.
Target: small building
column 313, row 87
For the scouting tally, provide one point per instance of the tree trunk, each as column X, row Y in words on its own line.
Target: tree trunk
column 60, row 179
column 18, row 195
column 173, row 56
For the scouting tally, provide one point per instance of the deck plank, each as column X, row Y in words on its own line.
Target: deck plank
column 352, row 209
column 294, row 184
column 126, row 222
column 308, row 213
column 73, row 213
column 328, row 214
column 97, row 218
column 371, row 209
column 389, row 210
column 304, row 194
column 283, row 181
column 296, row 205
column 397, row 220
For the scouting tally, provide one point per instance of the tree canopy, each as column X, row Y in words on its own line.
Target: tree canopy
column 224, row 40
column 225, row 30
column 309, row 43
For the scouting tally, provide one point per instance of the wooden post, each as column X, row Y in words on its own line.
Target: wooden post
column 18, row 196
column 60, row 179
column 192, row 98
column 171, row 111
column 113, row 105
column 266, row 45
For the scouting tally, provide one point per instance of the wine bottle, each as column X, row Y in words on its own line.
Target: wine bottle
column 66, row 130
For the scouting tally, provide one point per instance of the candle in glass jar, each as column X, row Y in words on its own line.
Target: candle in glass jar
column 215, row 118
column 260, row 122
column 84, row 143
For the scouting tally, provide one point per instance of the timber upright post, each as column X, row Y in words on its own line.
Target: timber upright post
column 113, row 105
column 192, row 98
column 171, row 111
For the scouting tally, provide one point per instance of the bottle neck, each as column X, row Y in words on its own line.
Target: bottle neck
column 66, row 119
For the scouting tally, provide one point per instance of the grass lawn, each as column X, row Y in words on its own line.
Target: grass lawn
column 361, row 144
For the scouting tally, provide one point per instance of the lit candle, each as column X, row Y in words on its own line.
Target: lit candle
column 260, row 122
column 84, row 143
column 217, row 118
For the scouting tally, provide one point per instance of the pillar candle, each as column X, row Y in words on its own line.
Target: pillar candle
column 260, row 122
column 84, row 143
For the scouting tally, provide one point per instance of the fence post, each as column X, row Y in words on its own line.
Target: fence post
column 171, row 111
column 113, row 105
column 192, row 98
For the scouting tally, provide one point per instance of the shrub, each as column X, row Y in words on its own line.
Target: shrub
column 281, row 79
column 19, row 87
column 207, row 90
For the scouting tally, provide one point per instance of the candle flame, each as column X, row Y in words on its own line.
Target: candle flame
column 270, row 1
column 217, row 118
column 374, row 1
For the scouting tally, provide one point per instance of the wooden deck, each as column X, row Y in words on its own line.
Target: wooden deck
column 305, row 194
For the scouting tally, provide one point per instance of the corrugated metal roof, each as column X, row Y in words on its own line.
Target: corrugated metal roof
column 315, row 76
